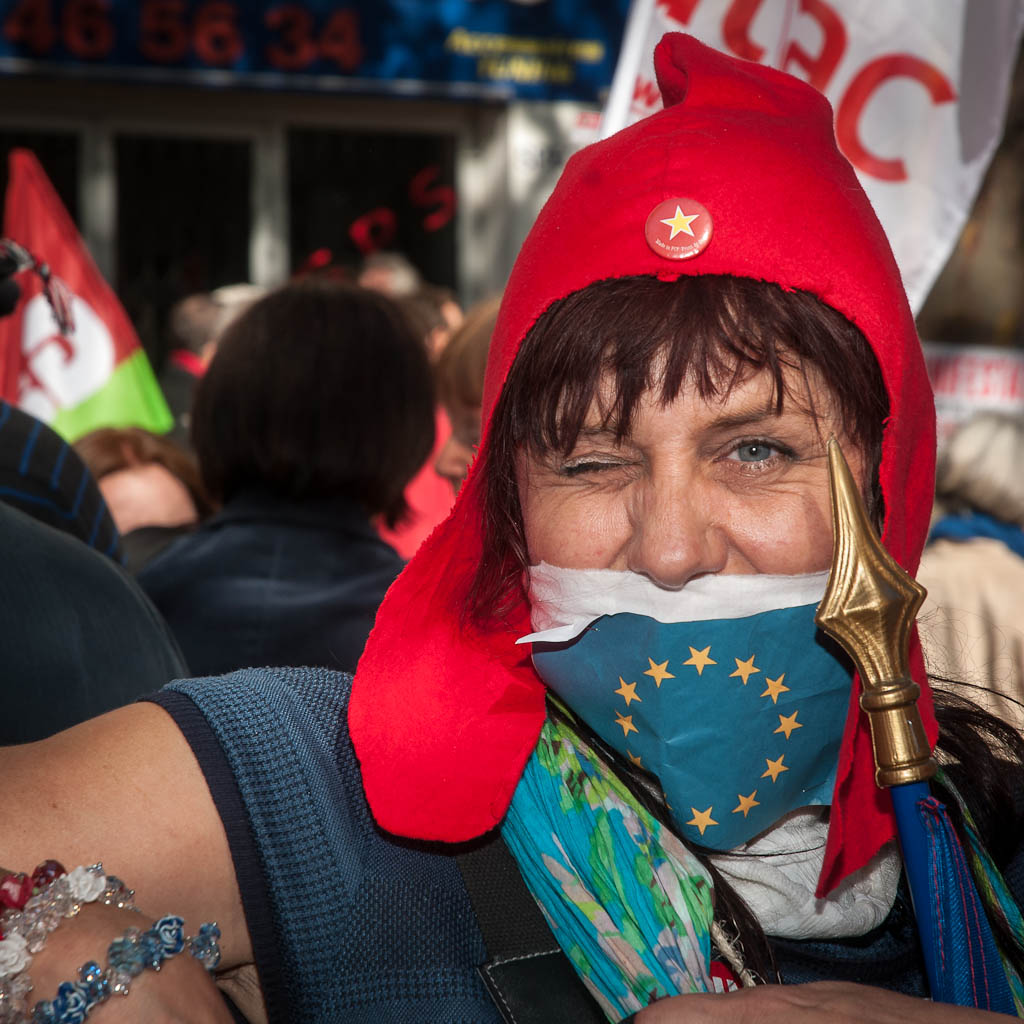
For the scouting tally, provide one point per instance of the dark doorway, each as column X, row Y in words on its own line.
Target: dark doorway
column 182, row 225
column 58, row 154
column 356, row 192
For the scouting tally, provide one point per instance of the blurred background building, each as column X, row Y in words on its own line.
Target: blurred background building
column 199, row 144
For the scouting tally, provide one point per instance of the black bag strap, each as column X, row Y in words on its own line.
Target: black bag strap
column 527, row 975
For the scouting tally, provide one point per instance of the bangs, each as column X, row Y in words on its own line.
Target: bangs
column 618, row 340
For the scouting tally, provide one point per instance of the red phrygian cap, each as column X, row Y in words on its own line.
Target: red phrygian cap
column 443, row 717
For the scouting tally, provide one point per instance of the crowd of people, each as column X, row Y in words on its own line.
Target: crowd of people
column 461, row 665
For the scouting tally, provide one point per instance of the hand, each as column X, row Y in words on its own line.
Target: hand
column 181, row 991
column 823, row 1002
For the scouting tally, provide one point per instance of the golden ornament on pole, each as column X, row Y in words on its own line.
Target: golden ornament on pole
column 869, row 607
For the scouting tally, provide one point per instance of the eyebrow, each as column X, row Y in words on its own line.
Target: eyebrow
column 744, row 418
column 740, row 418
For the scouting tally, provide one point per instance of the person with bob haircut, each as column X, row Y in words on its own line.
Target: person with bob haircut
column 597, row 689
column 313, row 416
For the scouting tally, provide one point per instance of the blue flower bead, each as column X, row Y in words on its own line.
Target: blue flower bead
column 71, row 1005
column 171, row 932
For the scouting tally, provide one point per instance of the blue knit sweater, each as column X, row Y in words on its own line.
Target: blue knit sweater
column 350, row 924
column 347, row 924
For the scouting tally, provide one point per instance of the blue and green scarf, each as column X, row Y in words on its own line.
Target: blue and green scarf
column 629, row 904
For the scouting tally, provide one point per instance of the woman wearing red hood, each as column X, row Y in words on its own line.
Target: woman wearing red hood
column 597, row 689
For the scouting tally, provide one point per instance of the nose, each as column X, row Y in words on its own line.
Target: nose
column 453, row 461
column 676, row 536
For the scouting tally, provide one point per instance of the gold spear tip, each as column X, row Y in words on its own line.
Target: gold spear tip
column 869, row 608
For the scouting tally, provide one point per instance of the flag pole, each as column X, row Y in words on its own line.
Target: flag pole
column 634, row 49
column 869, row 607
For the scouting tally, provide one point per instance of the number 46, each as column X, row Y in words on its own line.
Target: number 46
column 85, row 28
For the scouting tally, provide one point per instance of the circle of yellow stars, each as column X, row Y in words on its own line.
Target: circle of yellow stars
column 699, row 660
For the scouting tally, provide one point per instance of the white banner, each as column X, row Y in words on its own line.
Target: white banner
column 919, row 89
column 973, row 378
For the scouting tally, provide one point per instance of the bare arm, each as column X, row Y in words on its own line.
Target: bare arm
column 823, row 1002
column 125, row 789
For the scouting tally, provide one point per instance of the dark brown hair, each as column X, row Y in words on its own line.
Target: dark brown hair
column 112, row 449
column 643, row 333
column 319, row 389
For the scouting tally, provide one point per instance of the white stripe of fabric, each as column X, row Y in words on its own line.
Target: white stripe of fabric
column 563, row 602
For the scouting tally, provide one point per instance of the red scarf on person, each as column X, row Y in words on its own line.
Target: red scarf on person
column 443, row 716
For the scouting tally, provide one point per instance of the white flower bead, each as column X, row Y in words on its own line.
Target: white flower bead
column 86, row 885
column 14, row 955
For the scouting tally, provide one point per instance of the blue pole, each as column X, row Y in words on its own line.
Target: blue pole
column 914, row 843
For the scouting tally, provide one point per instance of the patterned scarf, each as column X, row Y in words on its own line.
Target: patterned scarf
column 629, row 904
column 992, row 888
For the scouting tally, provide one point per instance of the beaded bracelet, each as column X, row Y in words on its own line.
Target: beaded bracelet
column 33, row 907
column 127, row 957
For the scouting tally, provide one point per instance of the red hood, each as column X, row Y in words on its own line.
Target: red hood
column 442, row 716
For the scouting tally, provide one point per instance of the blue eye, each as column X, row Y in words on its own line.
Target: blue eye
column 755, row 451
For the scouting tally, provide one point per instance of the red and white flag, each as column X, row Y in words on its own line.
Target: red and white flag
column 95, row 374
column 919, row 91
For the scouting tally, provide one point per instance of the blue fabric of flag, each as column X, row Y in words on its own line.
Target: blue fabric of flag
column 739, row 719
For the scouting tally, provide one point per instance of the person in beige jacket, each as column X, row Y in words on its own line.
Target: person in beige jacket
column 972, row 623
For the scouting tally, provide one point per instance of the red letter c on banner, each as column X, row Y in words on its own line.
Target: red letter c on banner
column 861, row 89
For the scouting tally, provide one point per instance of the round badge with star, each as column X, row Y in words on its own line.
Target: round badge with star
column 678, row 229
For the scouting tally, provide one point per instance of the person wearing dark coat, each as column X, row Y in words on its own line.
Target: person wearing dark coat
column 269, row 581
column 79, row 637
column 314, row 415
column 41, row 474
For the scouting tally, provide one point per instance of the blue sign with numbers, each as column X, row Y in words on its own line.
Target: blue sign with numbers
column 533, row 49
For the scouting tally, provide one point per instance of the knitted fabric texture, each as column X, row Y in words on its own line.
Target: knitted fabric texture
column 443, row 716
column 364, row 930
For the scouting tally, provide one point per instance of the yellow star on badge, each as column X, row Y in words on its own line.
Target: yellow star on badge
column 680, row 223
column 626, row 721
column 787, row 723
column 702, row 819
column 744, row 669
column 627, row 691
column 700, row 659
column 659, row 672
column 747, row 803
column 775, row 688
column 636, row 759
column 775, row 769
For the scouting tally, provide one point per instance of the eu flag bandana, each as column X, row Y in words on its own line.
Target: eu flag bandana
column 726, row 691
